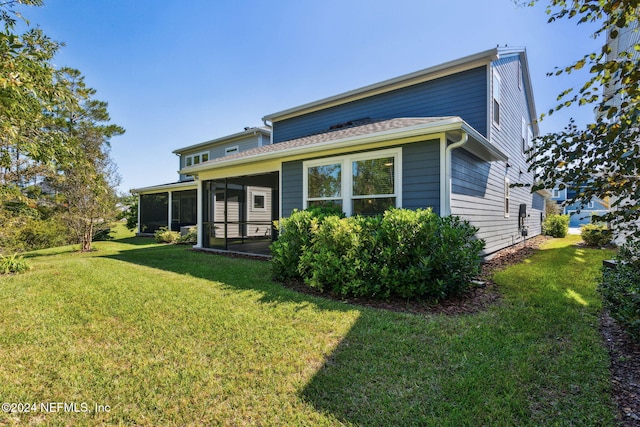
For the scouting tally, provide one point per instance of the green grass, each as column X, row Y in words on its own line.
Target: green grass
column 166, row 336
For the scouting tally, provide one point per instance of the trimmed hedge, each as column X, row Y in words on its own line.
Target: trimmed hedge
column 620, row 289
column 403, row 253
column 556, row 225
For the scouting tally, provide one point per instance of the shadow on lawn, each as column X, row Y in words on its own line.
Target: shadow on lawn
column 390, row 368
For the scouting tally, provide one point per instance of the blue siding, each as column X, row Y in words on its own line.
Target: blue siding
column 463, row 94
column 421, row 175
column 291, row 187
column 485, row 207
column 469, row 174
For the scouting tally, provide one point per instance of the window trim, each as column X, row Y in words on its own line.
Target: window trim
column 495, row 98
column 231, row 150
column 263, row 194
column 346, row 185
column 190, row 159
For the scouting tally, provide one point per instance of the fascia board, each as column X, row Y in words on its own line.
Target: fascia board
column 446, row 125
column 187, row 185
column 228, row 138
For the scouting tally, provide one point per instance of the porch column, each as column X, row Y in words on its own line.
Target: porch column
column 199, row 207
column 169, row 210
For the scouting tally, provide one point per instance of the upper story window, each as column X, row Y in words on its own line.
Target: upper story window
column 194, row 159
column 527, row 136
column 555, row 193
column 231, row 150
column 360, row 184
column 496, row 98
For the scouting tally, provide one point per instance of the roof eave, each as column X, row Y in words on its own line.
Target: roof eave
column 484, row 149
column 447, row 68
column 228, row 138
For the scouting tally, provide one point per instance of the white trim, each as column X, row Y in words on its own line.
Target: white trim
column 444, row 194
column 193, row 156
column 199, row 216
column 169, row 206
column 346, row 183
column 228, row 138
column 495, row 96
column 162, row 188
column 391, row 136
column 234, row 149
column 262, row 194
column 139, row 209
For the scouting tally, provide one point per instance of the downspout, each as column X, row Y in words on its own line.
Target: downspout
column 446, row 211
column 270, row 126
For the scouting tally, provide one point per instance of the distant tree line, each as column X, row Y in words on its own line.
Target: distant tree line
column 57, row 180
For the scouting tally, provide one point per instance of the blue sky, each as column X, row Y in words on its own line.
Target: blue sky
column 179, row 73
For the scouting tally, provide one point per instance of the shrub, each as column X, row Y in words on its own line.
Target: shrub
column 41, row 234
column 620, row 289
column 556, row 225
column 403, row 253
column 164, row 235
column 13, row 264
column 294, row 235
column 596, row 235
column 102, row 232
column 191, row 238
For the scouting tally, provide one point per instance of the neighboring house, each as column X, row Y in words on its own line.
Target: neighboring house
column 581, row 213
column 450, row 137
column 174, row 205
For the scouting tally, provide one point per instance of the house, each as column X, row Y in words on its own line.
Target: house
column 580, row 212
column 451, row 137
column 175, row 205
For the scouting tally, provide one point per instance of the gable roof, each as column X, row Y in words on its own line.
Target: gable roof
column 361, row 133
column 228, row 138
column 431, row 73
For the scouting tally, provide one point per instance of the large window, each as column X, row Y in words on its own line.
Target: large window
column 360, row 184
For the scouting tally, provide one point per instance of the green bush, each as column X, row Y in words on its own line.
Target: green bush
column 596, row 235
column 191, row 238
column 294, row 235
column 403, row 253
column 41, row 234
column 13, row 264
column 164, row 235
column 620, row 289
column 556, row 225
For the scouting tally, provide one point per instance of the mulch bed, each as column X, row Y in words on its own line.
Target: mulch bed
column 624, row 353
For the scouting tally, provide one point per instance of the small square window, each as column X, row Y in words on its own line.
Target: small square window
column 258, row 202
column 196, row 159
column 205, row 157
column 188, row 161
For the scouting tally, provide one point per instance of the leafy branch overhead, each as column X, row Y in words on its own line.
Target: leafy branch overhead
column 602, row 159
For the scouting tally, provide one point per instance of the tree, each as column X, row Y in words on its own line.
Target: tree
column 87, row 176
column 602, row 159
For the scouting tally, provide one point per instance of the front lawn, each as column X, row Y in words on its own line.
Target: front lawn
column 165, row 336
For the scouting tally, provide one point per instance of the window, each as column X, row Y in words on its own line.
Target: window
column 507, row 196
column 195, row 159
column 590, row 205
column 258, row 201
column 496, row 98
column 361, row 184
column 555, row 193
column 231, row 150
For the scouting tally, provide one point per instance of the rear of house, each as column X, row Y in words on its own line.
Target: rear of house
column 450, row 137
